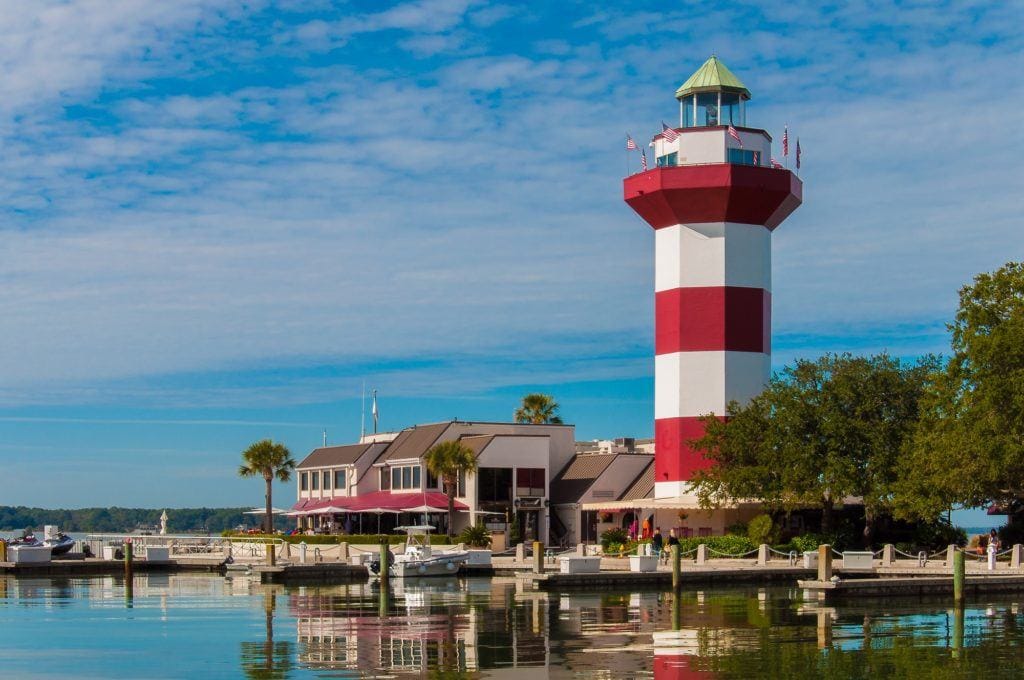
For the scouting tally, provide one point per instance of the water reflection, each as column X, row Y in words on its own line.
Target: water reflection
column 484, row 628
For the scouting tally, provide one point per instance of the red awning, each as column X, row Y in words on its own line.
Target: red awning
column 384, row 500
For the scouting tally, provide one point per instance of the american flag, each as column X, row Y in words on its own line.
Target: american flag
column 643, row 160
column 630, row 144
column 777, row 165
column 785, row 141
column 797, row 153
column 735, row 135
column 668, row 133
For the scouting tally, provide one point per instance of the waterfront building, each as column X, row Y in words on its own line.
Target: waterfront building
column 383, row 479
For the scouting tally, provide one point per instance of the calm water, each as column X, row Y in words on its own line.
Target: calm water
column 191, row 626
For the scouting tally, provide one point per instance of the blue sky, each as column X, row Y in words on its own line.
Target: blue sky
column 219, row 218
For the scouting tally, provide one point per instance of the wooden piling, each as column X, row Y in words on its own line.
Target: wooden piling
column 128, row 560
column 825, row 562
column 677, row 581
column 958, row 631
column 385, row 568
column 538, row 557
column 271, row 554
column 959, row 574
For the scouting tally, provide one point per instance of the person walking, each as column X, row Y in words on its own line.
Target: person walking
column 672, row 540
column 657, row 542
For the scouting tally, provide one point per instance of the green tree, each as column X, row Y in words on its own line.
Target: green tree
column 821, row 431
column 969, row 446
column 270, row 460
column 447, row 461
column 538, row 409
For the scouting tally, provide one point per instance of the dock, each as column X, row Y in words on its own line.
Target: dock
column 911, row 586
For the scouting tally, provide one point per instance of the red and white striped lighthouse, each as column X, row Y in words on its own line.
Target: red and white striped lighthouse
column 713, row 199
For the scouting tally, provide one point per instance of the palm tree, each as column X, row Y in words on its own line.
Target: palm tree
column 538, row 409
column 270, row 460
column 447, row 461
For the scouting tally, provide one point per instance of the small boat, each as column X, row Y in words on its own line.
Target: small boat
column 61, row 544
column 419, row 558
column 27, row 539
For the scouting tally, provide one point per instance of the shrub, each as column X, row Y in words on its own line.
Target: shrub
column 614, row 536
column 476, row 536
column 729, row 544
column 332, row 539
column 761, row 529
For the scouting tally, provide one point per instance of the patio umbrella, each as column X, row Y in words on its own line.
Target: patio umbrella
column 379, row 512
column 263, row 511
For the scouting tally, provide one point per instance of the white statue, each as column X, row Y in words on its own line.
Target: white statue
column 163, row 524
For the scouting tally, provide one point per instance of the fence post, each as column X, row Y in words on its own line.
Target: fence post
column 825, row 562
column 888, row 555
column 702, row 553
column 521, row 552
column 762, row 554
column 1017, row 556
column 343, row 551
column 950, row 555
column 581, row 549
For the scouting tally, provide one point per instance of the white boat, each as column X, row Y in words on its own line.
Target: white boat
column 419, row 558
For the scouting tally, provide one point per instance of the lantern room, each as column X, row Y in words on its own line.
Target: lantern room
column 712, row 96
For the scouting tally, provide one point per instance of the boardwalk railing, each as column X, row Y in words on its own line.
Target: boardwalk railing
column 238, row 548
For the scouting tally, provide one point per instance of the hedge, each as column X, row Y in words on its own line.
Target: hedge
column 333, row 539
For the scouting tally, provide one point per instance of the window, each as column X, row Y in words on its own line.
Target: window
column 314, row 478
column 339, row 480
column 460, row 487
column 327, row 480
column 667, row 159
column 687, row 105
column 406, row 477
column 385, row 479
column 494, row 484
column 707, row 109
column 731, row 109
column 432, row 481
column 304, row 481
column 530, row 481
column 742, row 157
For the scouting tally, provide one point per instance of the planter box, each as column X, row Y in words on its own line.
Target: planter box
column 158, row 553
column 811, row 559
column 858, row 560
column 109, row 550
column 643, row 563
column 580, row 565
column 479, row 557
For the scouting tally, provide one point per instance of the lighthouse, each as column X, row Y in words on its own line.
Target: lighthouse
column 713, row 199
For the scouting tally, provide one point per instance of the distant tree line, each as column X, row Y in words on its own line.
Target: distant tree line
column 102, row 520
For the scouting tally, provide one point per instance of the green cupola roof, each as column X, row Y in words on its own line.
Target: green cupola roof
column 713, row 76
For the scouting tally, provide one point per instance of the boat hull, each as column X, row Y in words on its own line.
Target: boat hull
column 436, row 565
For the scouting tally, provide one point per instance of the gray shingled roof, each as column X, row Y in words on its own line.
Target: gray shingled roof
column 569, row 485
column 642, row 486
column 414, row 441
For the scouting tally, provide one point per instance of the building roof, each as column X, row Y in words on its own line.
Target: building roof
column 569, row 485
column 337, row 455
column 414, row 442
column 642, row 486
column 712, row 76
column 477, row 442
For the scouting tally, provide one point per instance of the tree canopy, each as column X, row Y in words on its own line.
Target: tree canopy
column 269, row 460
column 821, row 431
column 538, row 409
column 447, row 461
column 969, row 444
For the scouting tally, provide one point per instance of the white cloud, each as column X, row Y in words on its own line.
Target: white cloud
column 195, row 217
